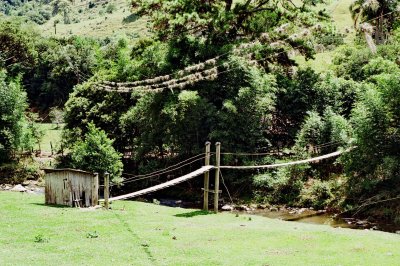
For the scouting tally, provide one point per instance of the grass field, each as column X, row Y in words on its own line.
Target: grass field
column 95, row 22
column 51, row 134
column 135, row 233
column 341, row 18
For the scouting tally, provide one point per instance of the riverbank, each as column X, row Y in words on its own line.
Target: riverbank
column 295, row 214
column 281, row 212
column 148, row 234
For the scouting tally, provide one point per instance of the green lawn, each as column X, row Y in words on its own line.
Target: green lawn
column 135, row 233
column 51, row 134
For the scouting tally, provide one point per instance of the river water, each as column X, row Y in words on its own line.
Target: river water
column 321, row 217
column 302, row 215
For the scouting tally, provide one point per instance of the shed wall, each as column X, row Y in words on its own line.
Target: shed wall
column 63, row 187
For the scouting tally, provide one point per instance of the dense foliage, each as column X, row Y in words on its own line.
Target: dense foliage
column 17, row 132
column 95, row 153
column 257, row 100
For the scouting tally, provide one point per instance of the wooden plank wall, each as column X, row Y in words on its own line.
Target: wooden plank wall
column 63, row 187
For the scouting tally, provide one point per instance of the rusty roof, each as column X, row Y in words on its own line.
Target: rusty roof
column 51, row 170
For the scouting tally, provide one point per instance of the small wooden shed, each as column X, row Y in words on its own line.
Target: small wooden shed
column 71, row 187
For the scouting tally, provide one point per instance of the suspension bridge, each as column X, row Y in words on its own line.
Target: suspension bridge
column 204, row 170
column 170, row 183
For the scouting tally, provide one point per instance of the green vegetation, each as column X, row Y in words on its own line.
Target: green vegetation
column 95, row 18
column 95, row 153
column 146, row 234
column 224, row 71
column 17, row 132
column 52, row 135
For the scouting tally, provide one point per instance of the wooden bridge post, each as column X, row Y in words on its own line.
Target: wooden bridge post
column 106, row 189
column 217, row 165
column 206, row 176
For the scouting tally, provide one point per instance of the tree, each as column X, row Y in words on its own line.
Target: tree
column 17, row 47
column 55, row 22
column 56, row 116
column 64, row 7
column 373, row 166
column 96, row 153
column 379, row 13
column 62, row 64
column 358, row 63
column 317, row 131
column 33, row 134
column 12, row 108
column 220, row 21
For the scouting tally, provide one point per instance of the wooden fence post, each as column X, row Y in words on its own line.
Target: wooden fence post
column 217, row 165
column 206, row 176
column 95, row 188
column 106, row 189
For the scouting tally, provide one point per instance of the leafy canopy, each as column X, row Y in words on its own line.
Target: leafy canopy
column 12, row 116
column 96, row 153
column 219, row 21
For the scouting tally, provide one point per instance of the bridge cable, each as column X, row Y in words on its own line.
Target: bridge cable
column 227, row 190
column 162, row 170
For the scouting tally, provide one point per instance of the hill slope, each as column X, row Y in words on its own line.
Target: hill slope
column 341, row 19
column 97, row 22
column 102, row 18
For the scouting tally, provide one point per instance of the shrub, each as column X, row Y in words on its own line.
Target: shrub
column 96, row 153
column 111, row 8
column 319, row 194
column 327, row 132
column 282, row 186
column 329, row 40
column 19, row 172
column 32, row 133
column 40, row 238
column 379, row 66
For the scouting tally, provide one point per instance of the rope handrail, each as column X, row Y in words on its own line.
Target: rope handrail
column 249, row 154
column 162, row 170
column 326, row 156
column 166, row 78
column 160, row 173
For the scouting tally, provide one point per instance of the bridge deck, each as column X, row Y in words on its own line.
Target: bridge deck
column 172, row 182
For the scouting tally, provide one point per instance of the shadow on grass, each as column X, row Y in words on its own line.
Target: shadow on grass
column 131, row 18
column 193, row 214
column 51, row 205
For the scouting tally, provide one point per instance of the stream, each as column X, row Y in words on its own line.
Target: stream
column 321, row 217
column 301, row 215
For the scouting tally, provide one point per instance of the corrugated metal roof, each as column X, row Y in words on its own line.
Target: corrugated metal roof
column 51, row 170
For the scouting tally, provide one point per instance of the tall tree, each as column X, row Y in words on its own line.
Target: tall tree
column 12, row 108
column 220, row 21
column 62, row 7
column 379, row 13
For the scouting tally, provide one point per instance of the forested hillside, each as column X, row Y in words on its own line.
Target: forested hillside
column 144, row 84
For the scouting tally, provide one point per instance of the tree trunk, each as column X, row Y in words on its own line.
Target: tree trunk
column 379, row 30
